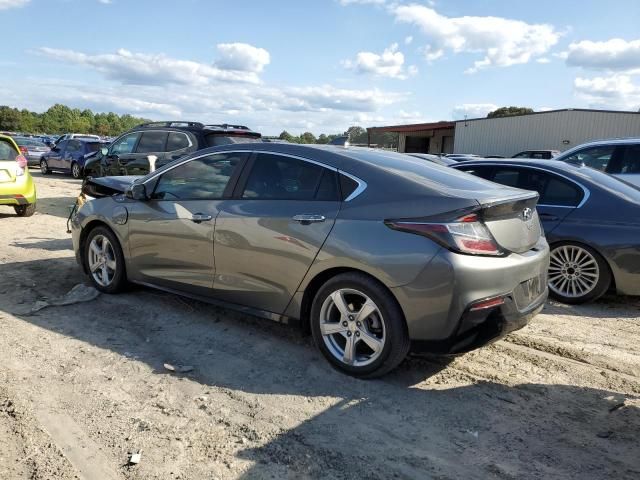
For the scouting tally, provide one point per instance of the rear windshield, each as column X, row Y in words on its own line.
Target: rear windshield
column 27, row 142
column 214, row 140
column 613, row 185
column 7, row 151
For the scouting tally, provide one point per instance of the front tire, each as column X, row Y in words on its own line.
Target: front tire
column 76, row 171
column 577, row 273
column 44, row 167
column 358, row 326
column 104, row 261
column 25, row 210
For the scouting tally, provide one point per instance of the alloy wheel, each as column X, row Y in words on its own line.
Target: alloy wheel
column 102, row 260
column 352, row 327
column 75, row 170
column 573, row 271
column 44, row 168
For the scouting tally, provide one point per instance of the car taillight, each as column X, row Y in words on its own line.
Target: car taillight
column 22, row 164
column 466, row 234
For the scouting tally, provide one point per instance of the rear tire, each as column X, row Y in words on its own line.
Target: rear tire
column 577, row 273
column 104, row 261
column 25, row 210
column 358, row 326
column 76, row 171
column 44, row 167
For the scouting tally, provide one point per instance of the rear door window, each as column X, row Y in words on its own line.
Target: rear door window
column 553, row 189
column 73, row 146
column 594, row 157
column 152, row 142
column 630, row 161
column 177, row 141
column 277, row 177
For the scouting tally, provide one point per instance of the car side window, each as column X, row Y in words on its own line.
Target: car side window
column 482, row 172
column 152, row 142
column 278, row 177
column 177, row 141
column 125, row 144
column 553, row 190
column 594, row 157
column 630, row 162
column 204, row 178
column 73, row 146
column 60, row 146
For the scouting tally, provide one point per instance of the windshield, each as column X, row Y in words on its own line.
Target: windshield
column 7, row 151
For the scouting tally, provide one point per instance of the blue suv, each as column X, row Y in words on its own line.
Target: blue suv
column 69, row 156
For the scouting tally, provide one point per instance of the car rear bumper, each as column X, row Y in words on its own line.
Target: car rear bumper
column 437, row 304
column 20, row 192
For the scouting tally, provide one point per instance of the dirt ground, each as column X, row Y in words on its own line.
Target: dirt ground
column 83, row 386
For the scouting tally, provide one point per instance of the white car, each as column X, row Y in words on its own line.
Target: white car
column 617, row 157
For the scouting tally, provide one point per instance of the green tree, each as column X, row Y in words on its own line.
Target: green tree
column 9, row 119
column 287, row 137
column 323, row 139
column 509, row 112
column 307, row 137
column 357, row 134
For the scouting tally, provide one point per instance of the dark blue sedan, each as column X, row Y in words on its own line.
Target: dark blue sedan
column 69, row 156
column 591, row 219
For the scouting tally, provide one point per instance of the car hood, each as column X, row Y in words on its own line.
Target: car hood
column 107, row 186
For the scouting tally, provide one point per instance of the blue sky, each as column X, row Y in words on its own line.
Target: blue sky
column 319, row 65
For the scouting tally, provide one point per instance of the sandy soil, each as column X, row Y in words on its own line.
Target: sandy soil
column 83, row 386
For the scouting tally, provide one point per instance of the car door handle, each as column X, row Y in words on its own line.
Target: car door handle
column 306, row 219
column 548, row 216
column 200, row 217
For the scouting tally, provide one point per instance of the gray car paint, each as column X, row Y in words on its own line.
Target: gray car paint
column 266, row 262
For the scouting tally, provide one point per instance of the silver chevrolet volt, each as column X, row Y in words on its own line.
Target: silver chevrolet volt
column 376, row 253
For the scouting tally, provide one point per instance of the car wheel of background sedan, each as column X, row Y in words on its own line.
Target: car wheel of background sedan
column 358, row 326
column 44, row 167
column 25, row 210
column 104, row 260
column 76, row 171
column 577, row 273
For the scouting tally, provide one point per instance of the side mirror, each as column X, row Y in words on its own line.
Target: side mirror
column 104, row 151
column 137, row 191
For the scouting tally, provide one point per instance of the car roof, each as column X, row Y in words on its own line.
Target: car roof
column 224, row 128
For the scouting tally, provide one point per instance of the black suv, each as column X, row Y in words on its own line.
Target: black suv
column 167, row 141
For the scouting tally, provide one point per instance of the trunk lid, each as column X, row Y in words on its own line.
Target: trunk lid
column 513, row 221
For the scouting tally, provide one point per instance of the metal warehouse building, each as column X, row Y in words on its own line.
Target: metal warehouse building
column 506, row 136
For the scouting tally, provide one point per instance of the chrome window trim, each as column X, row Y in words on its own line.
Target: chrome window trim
column 168, row 132
column 362, row 186
column 587, row 192
column 181, row 133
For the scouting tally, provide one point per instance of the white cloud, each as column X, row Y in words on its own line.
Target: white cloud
column 611, row 55
column 242, row 57
column 615, row 91
column 105, row 2
column 543, row 60
column 390, row 63
column 158, row 69
column 502, row 41
column 472, row 110
column 7, row 4
column 408, row 40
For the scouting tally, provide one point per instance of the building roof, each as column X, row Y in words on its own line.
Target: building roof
column 416, row 127
column 592, row 110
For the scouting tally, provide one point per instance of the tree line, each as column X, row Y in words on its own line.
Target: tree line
column 62, row 119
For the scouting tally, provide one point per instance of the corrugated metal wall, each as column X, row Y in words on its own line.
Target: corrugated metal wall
column 509, row 135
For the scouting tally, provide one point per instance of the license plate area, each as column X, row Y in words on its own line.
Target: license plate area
column 529, row 291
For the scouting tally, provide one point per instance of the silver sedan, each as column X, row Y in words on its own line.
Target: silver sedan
column 375, row 253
